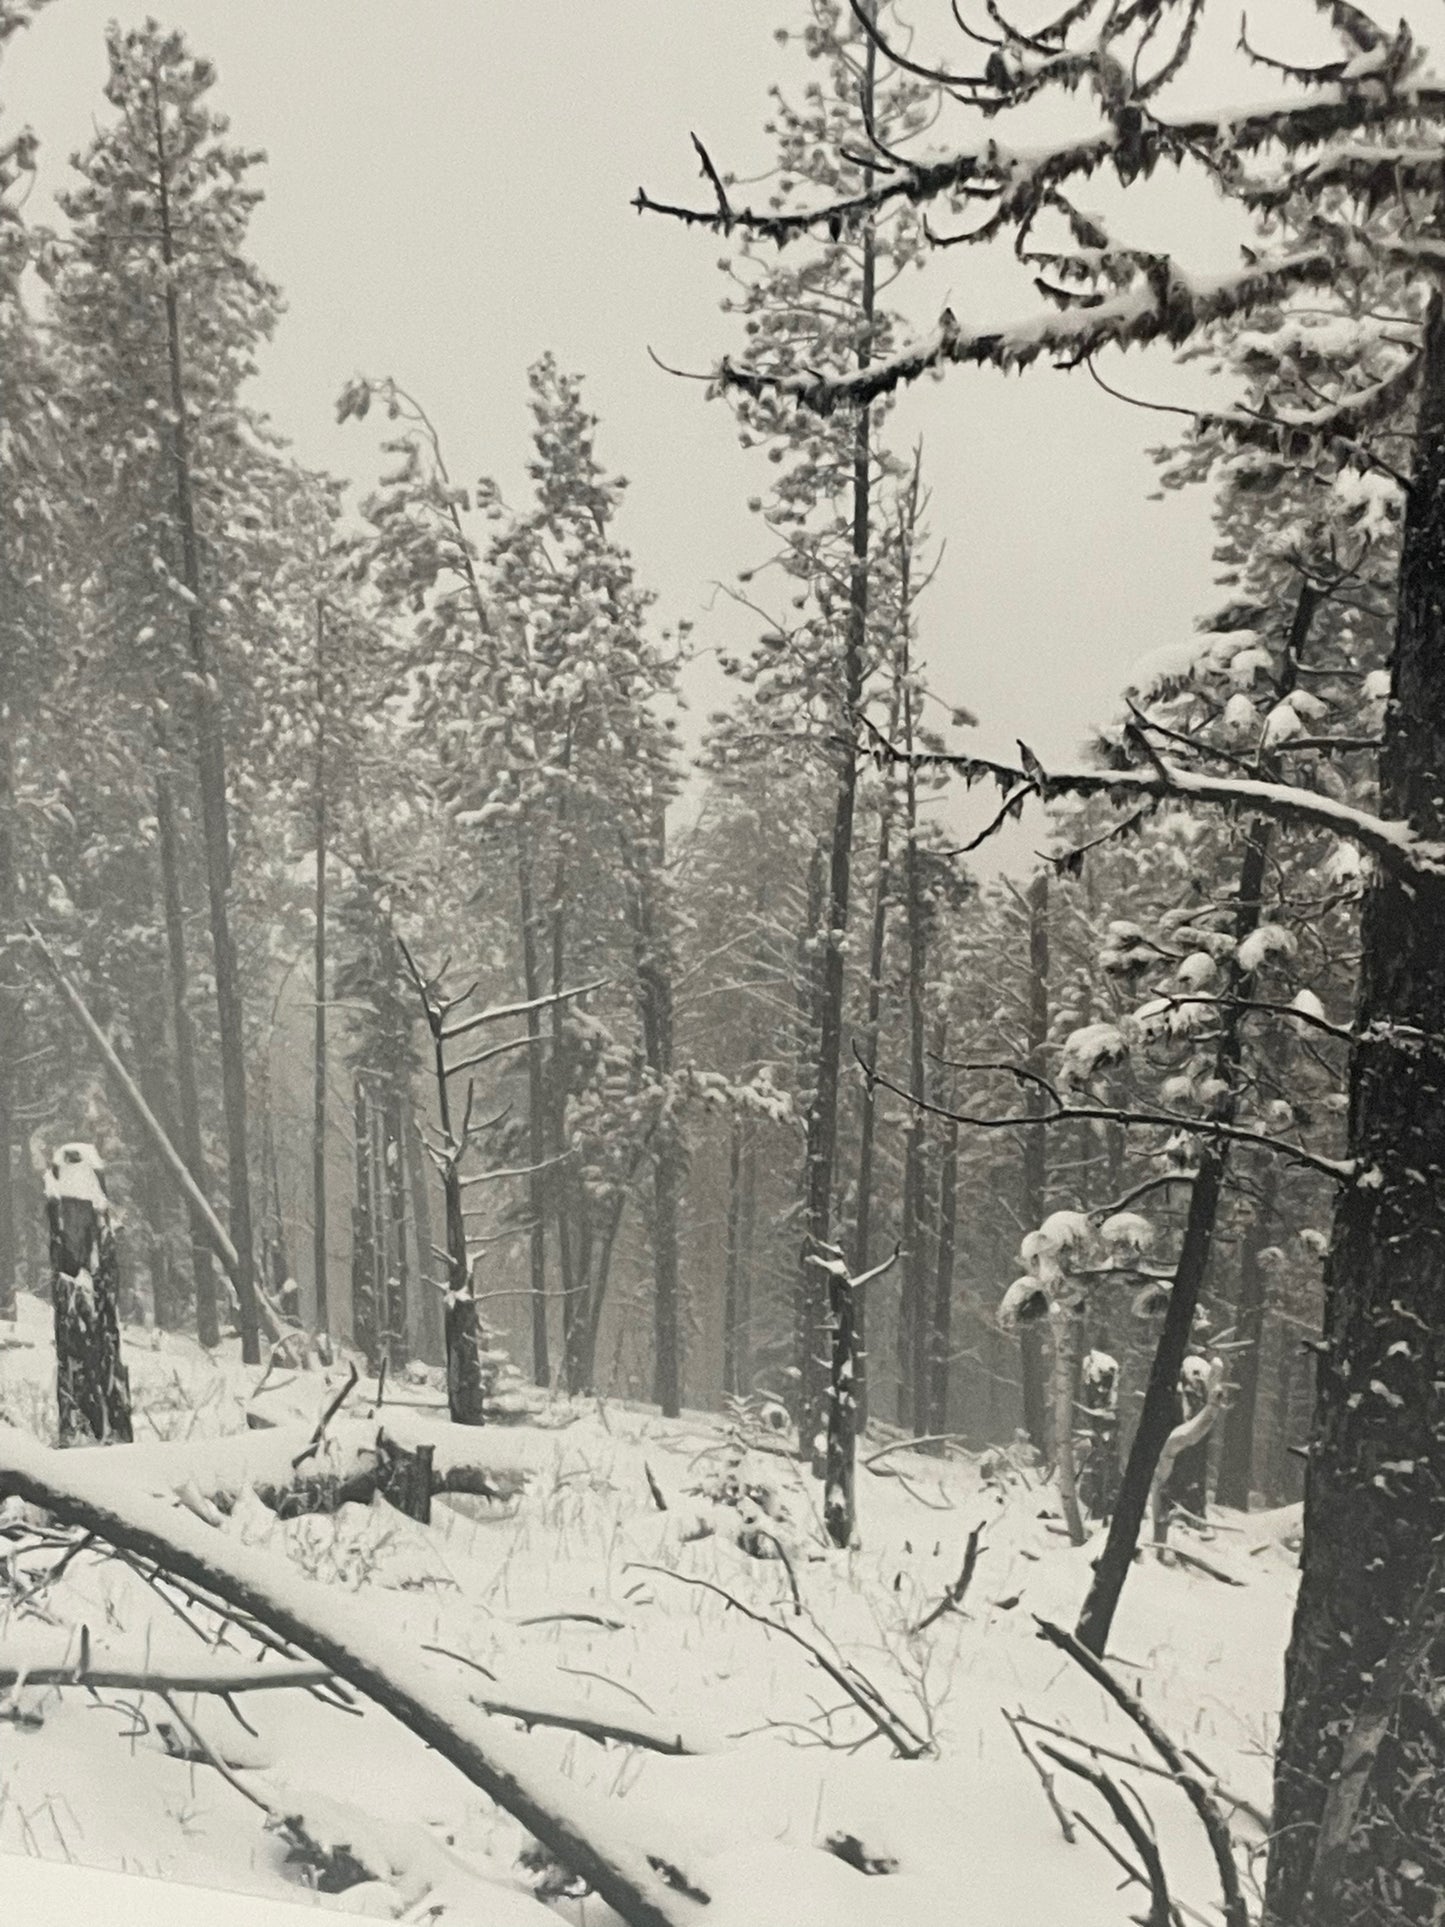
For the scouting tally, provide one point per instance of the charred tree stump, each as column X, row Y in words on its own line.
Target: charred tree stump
column 405, row 1478
column 92, row 1386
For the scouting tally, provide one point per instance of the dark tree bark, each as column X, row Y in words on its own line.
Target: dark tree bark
column 643, row 857
column 365, row 1312
column 916, row 1305
column 319, row 1072
column 735, row 1366
column 429, row 1323
column 840, row 1510
column 398, row 1279
column 211, row 771
column 1235, row 1480
column 536, row 1116
column 92, row 1385
column 821, row 1137
column 872, row 1033
column 807, row 1318
column 1375, row 1481
column 11, row 995
column 940, row 1330
column 1035, row 1200
column 203, row 1267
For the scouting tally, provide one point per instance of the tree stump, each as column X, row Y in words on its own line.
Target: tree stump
column 92, row 1385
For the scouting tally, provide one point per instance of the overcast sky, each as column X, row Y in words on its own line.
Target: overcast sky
column 448, row 190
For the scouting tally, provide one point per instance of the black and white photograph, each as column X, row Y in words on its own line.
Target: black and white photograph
column 722, row 963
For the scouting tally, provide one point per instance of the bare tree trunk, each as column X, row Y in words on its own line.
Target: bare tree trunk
column 1035, row 1200
column 734, row 1379
column 1236, row 1452
column 1068, row 1331
column 915, row 1308
column 203, row 1269
column 643, row 859
column 211, row 770
column 940, row 1332
column 365, row 1312
column 872, row 1031
column 536, row 1116
column 820, row 1159
column 429, row 1325
column 11, row 996
column 398, row 1279
column 92, row 1385
column 809, row 988
column 840, row 1513
column 319, row 1071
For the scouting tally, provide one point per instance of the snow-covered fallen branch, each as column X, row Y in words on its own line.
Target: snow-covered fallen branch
column 113, row 1670
column 291, row 1471
column 592, row 1836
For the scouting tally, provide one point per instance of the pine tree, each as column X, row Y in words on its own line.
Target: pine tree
column 161, row 314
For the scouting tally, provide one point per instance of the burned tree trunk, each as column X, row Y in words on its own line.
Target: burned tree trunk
column 1375, row 1483
column 92, row 1386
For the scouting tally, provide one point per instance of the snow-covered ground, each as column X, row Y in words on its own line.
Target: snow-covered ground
column 575, row 1596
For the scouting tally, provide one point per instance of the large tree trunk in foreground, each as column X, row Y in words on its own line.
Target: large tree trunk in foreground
column 1375, row 1484
column 640, row 1877
column 92, row 1386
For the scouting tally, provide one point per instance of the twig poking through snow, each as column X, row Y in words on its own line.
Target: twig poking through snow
column 953, row 1597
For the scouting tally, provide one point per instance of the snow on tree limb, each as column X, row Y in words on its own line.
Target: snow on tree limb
column 585, row 1832
column 1163, row 304
column 1020, row 177
column 1393, row 842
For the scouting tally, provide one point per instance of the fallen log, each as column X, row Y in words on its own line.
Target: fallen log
column 641, row 1880
column 292, row 1471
